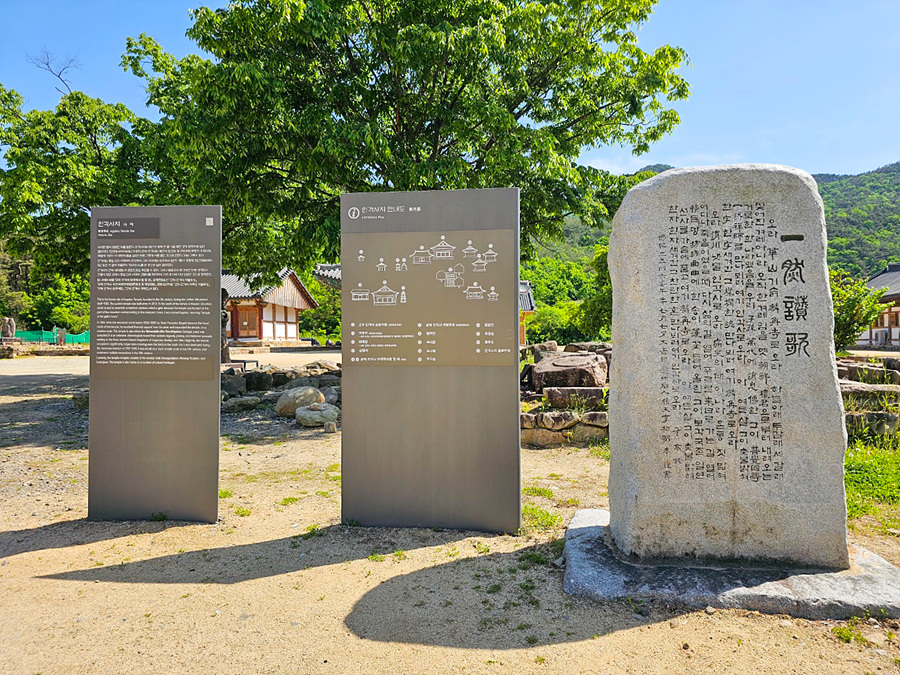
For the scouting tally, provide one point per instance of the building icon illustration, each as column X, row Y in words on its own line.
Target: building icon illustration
column 421, row 257
column 493, row 296
column 381, row 267
column 490, row 255
column 442, row 250
column 475, row 292
column 469, row 251
column 385, row 295
column 359, row 294
column 479, row 265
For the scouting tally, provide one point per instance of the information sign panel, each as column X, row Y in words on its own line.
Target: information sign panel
column 430, row 357
column 155, row 351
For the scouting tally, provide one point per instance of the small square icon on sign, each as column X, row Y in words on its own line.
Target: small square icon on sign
column 209, row 222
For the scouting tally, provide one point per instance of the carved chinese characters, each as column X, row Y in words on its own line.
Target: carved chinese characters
column 725, row 416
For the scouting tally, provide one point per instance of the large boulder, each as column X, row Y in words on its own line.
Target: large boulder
column 595, row 347
column 576, row 397
column 543, row 438
column 570, row 370
column 258, row 380
column 595, row 418
column 584, row 434
column 332, row 394
column 304, row 381
column 557, row 420
column 890, row 392
column 233, row 385
column 240, row 403
column 295, row 398
column 317, row 414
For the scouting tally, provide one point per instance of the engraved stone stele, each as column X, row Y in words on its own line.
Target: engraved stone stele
column 726, row 425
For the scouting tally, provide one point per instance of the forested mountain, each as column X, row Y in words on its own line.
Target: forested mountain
column 863, row 218
column 862, row 214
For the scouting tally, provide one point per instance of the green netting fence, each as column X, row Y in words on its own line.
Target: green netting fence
column 49, row 337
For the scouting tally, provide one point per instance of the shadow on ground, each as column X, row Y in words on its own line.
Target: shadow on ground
column 75, row 533
column 492, row 601
column 244, row 562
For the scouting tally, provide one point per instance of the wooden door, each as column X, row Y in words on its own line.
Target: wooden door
column 247, row 322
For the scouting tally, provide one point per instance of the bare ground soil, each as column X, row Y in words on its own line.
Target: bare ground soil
column 278, row 585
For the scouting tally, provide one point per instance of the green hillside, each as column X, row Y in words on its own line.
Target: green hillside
column 862, row 214
column 863, row 218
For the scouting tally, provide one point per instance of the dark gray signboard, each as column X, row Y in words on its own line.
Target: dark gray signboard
column 155, row 332
column 430, row 392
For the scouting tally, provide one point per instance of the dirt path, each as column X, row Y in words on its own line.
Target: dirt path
column 278, row 585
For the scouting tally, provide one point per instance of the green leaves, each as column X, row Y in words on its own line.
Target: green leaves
column 304, row 100
column 855, row 308
column 59, row 163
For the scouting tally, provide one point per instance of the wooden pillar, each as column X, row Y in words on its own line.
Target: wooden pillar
column 259, row 319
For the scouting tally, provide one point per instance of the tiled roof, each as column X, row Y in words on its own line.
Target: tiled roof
column 526, row 297
column 328, row 273
column 889, row 278
column 238, row 289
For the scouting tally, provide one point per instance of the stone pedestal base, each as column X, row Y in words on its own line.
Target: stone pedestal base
column 594, row 570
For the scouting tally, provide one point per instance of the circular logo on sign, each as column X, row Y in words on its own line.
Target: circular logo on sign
column 353, row 213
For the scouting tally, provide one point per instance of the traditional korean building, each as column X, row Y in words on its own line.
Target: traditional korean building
column 886, row 329
column 269, row 314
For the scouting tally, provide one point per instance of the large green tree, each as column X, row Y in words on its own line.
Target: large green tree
column 301, row 101
column 58, row 163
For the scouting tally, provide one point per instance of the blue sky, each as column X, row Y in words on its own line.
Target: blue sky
column 810, row 83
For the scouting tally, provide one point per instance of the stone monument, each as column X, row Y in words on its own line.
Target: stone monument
column 726, row 425
column 728, row 439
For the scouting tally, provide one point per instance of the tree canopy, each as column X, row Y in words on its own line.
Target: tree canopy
column 301, row 101
column 59, row 163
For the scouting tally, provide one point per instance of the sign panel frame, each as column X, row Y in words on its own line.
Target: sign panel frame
column 430, row 418
column 155, row 362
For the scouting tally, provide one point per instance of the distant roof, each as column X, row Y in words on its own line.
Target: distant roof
column 330, row 274
column 238, row 289
column 526, row 297
column 888, row 278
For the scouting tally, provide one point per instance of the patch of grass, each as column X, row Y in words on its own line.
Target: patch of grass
column 531, row 639
column 311, row 531
column 159, row 517
column 375, row 557
column 493, row 588
column 536, row 518
column 333, row 468
column 571, row 501
column 523, row 626
column 528, row 559
column 323, row 493
column 848, row 634
column 535, row 491
column 489, row 622
column 601, row 450
column 287, row 501
column 399, row 555
column 225, row 493
column 872, row 474
column 539, row 660
column 482, row 548
column 242, row 511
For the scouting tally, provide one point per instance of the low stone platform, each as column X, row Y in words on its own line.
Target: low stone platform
column 594, row 570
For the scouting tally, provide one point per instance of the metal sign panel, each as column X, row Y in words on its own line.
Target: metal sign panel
column 430, row 431
column 155, row 351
